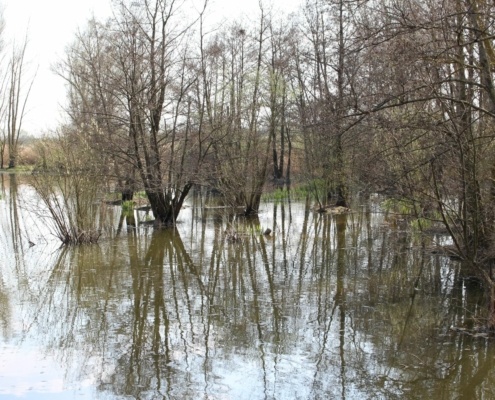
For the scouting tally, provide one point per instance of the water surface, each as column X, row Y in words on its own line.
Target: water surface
column 328, row 306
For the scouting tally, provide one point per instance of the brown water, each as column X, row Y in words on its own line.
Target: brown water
column 326, row 307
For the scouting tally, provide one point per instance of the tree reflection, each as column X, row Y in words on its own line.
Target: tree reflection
column 326, row 306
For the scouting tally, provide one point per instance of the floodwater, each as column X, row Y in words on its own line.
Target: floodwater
column 347, row 306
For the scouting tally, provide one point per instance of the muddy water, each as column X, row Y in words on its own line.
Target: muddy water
column 344, row 307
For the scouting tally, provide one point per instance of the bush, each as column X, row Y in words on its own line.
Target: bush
column 70, row 189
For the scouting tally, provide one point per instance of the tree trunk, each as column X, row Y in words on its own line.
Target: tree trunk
column 253, row 205
column 12, row 161
column 166, row 206
column 127, row 194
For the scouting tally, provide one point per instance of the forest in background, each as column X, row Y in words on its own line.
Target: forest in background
column 344, row 96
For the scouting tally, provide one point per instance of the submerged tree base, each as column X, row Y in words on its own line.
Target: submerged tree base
column 83, row 237
column 158, row 224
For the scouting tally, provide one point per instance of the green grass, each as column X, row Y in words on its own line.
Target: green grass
column 127, row 206
column 301, row 192
column 418, row 222
column 276, row 195
column 403, row 207
column 280, row 195
column 19, row 168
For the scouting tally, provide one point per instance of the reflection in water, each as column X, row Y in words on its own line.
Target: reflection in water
column 325, row 306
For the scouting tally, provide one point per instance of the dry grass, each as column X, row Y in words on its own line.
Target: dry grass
column 29, row 155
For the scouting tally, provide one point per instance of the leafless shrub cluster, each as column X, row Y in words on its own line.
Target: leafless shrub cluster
column 69, row 188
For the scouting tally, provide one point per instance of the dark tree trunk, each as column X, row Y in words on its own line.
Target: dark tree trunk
column 341, row 201
column 277, row 172
column 127, row 195
column 253, row 205
column 127, row 188
column 166, row 206
column 289, row 150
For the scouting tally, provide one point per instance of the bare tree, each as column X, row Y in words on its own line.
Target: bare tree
column 244, row 89
column 433, row 116
column 94, row 106
column 17, row 96
column 328, row 69
column 283, row 38
column 131, row 85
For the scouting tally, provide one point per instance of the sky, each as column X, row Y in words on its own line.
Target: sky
column 50, row 26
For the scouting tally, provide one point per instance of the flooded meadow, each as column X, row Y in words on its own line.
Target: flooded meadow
column 347, row 306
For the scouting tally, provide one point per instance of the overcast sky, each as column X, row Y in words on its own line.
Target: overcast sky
column 50, row 26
